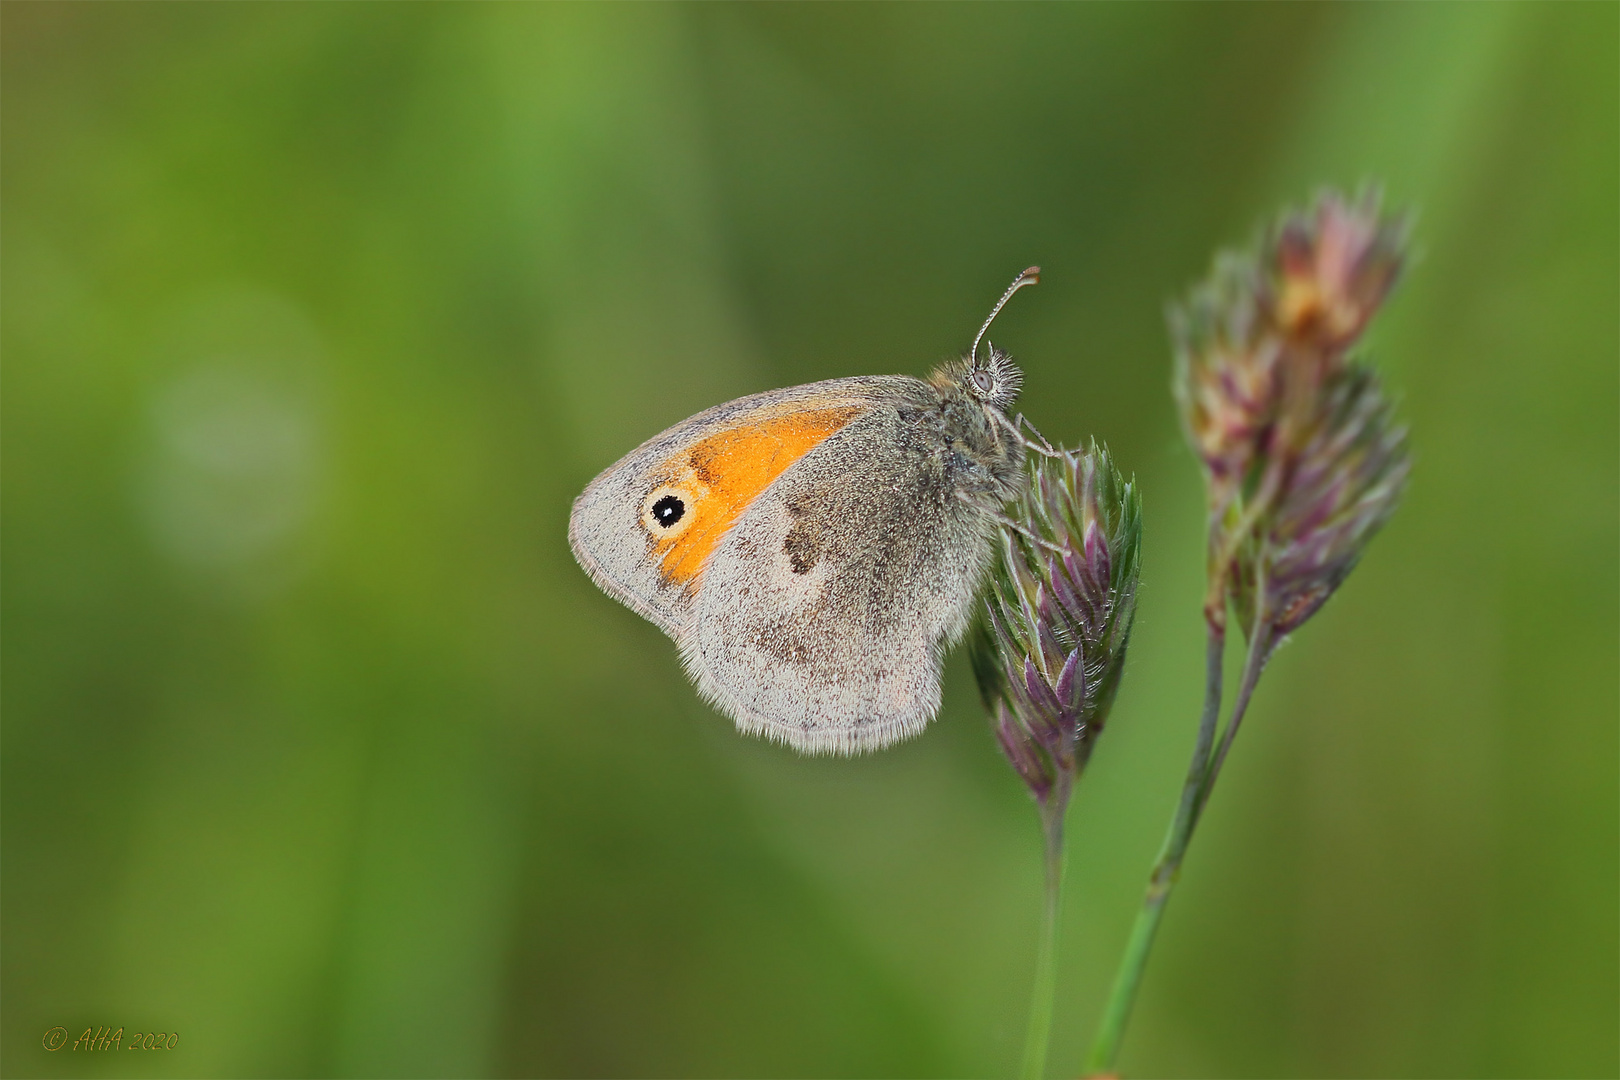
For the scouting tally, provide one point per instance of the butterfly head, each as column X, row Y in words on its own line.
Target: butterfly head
column 993, row 379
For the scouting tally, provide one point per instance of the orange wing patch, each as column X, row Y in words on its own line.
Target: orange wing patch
column 724, row 473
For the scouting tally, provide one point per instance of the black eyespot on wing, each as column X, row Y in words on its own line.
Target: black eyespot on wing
column 668, row 510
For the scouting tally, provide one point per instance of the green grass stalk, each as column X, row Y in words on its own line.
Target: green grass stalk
column 1038, row 1037
column 1117, row 1012
column 1202, row 772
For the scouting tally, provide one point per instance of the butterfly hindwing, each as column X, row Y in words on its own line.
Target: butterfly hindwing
column 826, row 609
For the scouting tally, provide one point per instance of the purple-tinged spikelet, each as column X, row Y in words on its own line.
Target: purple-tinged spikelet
column 1302, row 457
column 1057, row 618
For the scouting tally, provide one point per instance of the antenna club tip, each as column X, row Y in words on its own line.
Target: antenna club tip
column 1030, row 276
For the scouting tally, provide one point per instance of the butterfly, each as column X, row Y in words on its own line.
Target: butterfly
column 814, row 551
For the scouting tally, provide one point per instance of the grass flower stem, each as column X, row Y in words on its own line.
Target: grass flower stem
column 1038, row 1037
column 1205, row 767
column 1105, row 1047
column 1260, row 643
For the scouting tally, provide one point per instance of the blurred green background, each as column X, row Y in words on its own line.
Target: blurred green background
column 321, row 752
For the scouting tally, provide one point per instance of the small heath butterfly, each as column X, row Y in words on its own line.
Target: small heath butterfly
column 814, row 551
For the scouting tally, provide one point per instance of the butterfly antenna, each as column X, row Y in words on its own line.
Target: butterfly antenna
column 1028, row 277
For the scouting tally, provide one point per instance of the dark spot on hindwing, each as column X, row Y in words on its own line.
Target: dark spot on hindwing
column 803, row 543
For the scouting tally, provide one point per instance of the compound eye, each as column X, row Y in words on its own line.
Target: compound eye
column 983, row 382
